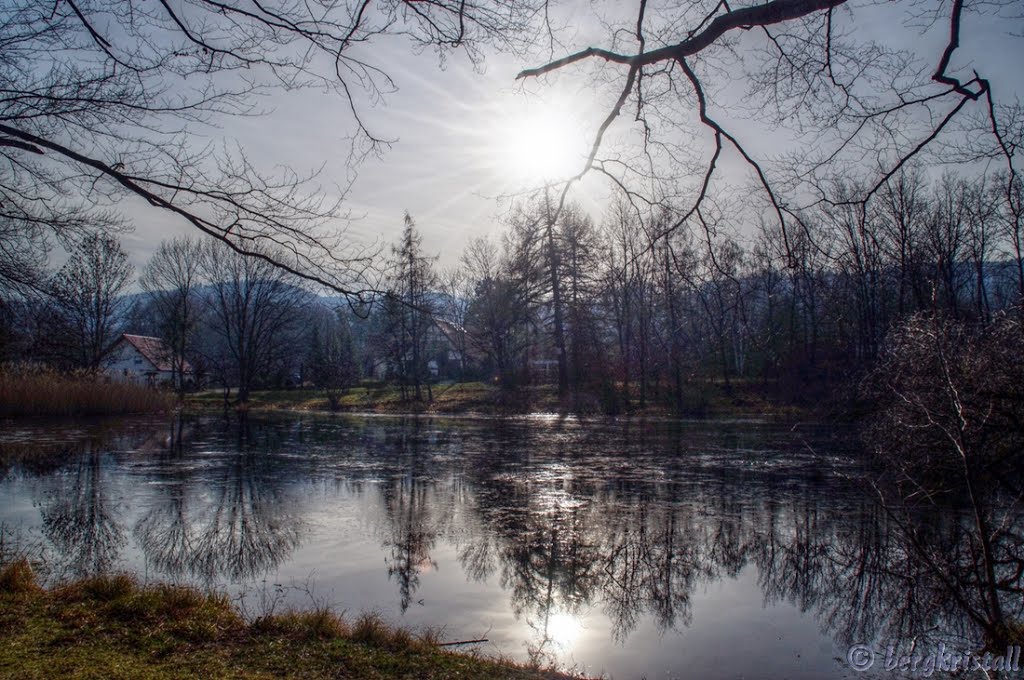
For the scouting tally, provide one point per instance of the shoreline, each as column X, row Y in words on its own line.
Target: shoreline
column 480, row 401
column 115, row 626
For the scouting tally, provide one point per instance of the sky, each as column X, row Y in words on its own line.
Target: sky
column 465, row 135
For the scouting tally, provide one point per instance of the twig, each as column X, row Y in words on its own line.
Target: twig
column 462, row 642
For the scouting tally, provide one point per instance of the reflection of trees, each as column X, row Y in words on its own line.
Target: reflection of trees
column 32, row 457
column 416, row 512
column 567, row 531
column 651, row 564
column 234, row 524
column 248, row 529
column 411, row 536
column 629, row 522
column 163, row 532
column 81, row 520
column 549, row 568
column 79, row 516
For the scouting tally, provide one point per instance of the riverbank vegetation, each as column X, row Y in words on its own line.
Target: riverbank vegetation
column 625, row 315
column 31, row 390
column 115, row 627
column 708, row 399
column 950, row 404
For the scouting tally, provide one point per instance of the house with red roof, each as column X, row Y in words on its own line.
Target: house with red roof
column 145, row 360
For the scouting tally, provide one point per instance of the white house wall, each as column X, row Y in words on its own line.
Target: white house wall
column 128, row 365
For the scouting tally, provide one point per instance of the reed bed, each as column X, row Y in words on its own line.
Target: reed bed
column 31, row 390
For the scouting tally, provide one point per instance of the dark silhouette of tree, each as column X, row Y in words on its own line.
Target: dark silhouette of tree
column 88, row 308
column 103, row 100
column 82, row 520
column 409, row 309
column 948, row 433
column 171, row 279
column 498, row 316
column 254, row 309
column 331, row 363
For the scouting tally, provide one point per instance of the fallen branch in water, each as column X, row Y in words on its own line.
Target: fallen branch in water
column 462, row 642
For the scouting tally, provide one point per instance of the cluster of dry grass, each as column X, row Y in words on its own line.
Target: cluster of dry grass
column 29, row 390
column 113, row 626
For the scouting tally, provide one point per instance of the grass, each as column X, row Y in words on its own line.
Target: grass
column 114, row 627
column 700, row 399
column 468, row 397
column 39, row 391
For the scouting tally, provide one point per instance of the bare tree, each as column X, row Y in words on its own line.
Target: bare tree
column 950, row 408
column 254, row 310
column 102, row 99
column 330, row 364
column 498, row 316
column 1012, row 219
column 172, row 278
column 457, row 295
column 857, row 105
column 87, row 310
column 903, row 203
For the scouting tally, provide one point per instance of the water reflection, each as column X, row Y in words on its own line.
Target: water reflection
column 623, row 523
column 80, row 517
column 232, row 521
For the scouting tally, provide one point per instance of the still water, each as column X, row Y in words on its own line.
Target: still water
column 710, row 549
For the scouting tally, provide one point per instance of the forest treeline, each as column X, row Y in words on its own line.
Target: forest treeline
column 620, row 312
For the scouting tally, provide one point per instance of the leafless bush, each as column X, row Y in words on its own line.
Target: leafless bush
column 950, row 399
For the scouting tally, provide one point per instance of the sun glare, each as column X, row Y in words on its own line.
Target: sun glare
column 563, row 629
column 543, row 145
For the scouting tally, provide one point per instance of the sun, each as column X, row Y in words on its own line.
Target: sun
column 543, row 144
column 563, row 629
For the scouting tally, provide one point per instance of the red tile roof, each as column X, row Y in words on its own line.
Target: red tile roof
column 154, row 350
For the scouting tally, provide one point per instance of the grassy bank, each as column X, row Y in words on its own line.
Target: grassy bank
column 113, row 627
column 37, row 391
column 706, row 399
column 458, row 398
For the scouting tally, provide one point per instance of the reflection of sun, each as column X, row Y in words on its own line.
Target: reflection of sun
column 543, row 143
column 563, row 629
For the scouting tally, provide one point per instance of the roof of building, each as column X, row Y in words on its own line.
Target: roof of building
column 154, row 350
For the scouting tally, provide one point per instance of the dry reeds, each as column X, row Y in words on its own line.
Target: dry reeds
column 31, row 390
column 18, row 577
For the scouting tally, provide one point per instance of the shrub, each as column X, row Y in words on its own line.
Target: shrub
column 18, row 577
column 950, row 396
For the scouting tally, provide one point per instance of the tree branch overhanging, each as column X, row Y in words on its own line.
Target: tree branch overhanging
column 770, row 13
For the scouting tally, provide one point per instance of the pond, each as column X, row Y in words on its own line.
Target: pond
column 657, row 549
